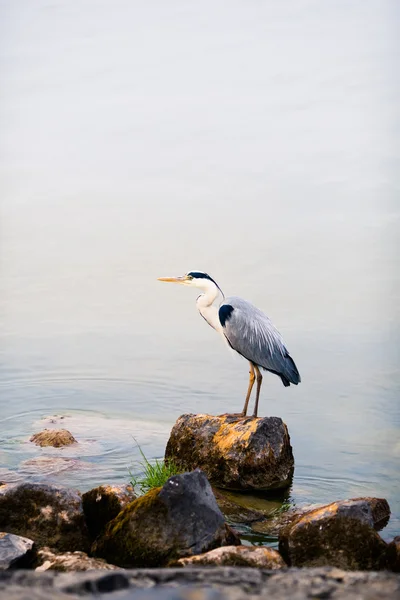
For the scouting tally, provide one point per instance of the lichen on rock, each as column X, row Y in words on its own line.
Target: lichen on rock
column 237, row 556
column 340, row 534
column 235, row 453
column 53, row 437
column 49, row 515
column 180, row 519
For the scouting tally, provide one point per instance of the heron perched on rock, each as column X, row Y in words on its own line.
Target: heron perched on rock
column 246, row 329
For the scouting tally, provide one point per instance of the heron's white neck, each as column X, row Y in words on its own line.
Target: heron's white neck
column 205, row 305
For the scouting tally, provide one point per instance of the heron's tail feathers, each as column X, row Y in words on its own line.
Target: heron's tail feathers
column 291, row 374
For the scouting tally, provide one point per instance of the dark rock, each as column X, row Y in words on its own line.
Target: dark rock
column 237, row 556
column 394, row 554
column 102, row 504
column 180, row 519
column 49, row 515
column 380, row 510
column 235, row 453
column 274, row 523
column 217, row 583
column 53, row 437
column 340, row 534
column 15, row 551
column 48, row 560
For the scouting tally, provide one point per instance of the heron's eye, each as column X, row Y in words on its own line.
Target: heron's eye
column 189, row 276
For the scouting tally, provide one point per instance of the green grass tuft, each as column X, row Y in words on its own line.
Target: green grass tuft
column 152, row 474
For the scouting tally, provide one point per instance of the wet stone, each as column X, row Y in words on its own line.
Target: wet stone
column 49, row 515
column 235, row 453
column 340, row 534
column 53, row 437
column 180, row 519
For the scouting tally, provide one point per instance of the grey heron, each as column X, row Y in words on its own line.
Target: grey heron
column 246, row 329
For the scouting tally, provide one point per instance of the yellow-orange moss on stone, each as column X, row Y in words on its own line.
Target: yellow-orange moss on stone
column 53, row 437
column 237, row 556
column 340, row 534
column 235, row 453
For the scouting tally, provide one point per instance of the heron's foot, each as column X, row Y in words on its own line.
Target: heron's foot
column 240, row 415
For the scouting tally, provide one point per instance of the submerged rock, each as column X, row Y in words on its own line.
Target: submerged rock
column 49, row 560
column 49, row 515
column 237, row 513
column 15, row 551
column 237, row 556
column 102, row 504
column 340, row 534
column 235, row 453
column 53, row 437
column 180, row 519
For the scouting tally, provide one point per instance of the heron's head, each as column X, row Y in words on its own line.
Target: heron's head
column 196, row 279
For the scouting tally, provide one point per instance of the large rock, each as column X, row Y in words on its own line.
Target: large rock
column 340, row 534
column 104, row 503
column 15, row 551
column 279, row 520
column 53, row 437
column 237, row 556
column 235, row 453
column 49, row 515
column 48, row 560
column 180, row 519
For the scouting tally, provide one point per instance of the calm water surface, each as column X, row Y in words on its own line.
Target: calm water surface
column 255, row 141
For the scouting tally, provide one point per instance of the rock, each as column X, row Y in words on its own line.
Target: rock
column 394, row 554
column 102, row 504
column 49, row 515
column 180, row 519
column 235, row 453
column 48, row 560
column 15, row 551
column 236, row 513
column 274, row 523
column 380, row 510
column 201, row 583
column 237, row 556
column 340, row 534
column 53, row 437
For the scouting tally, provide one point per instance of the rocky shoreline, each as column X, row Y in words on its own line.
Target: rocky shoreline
column 187, row 525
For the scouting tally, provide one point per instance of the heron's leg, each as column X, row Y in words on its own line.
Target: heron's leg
column 251, row 383
column 259, row 378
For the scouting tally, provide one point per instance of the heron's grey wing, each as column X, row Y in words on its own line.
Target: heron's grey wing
column 251, row 333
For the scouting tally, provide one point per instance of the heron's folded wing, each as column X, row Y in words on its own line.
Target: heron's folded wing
column 251, row 333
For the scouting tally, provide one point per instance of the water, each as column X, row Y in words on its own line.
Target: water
column 255, row 141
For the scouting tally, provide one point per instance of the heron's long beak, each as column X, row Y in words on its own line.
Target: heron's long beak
column 182, row 279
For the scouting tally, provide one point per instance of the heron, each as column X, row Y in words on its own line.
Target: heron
column 246, row 329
